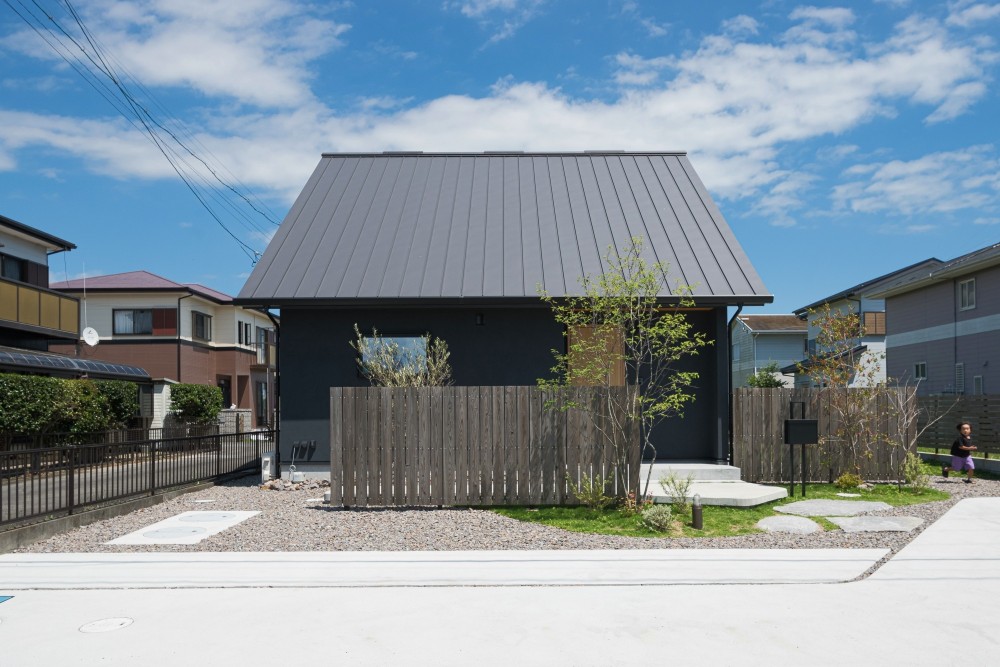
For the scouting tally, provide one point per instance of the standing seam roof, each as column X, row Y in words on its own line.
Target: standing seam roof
column 480, row 226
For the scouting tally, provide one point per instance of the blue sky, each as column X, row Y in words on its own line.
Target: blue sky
column 841, row 140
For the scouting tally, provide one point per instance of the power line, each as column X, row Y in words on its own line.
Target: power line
column 95, row 65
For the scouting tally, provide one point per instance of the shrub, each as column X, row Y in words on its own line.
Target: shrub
column 30, row 404
column 764, row 378
column 123, row 401
column 658, row 518
column 84, row 409
column 848, row 481
column 679, row 490
column 195, row 403
column 590, row 492
column 913, row 473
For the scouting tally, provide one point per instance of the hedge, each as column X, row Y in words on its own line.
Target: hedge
column 32, row 404
column 195, row 403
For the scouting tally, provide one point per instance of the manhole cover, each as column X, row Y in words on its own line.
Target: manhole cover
column 206, row 517
column 106, row 624
column 174, row 532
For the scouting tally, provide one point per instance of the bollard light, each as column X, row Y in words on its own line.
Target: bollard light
column 696, row 520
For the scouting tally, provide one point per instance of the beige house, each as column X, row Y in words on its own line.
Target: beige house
column 179, row 333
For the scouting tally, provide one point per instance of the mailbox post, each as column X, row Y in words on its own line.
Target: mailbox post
column 800, row 432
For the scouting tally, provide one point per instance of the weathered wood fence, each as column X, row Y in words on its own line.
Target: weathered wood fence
column 982, row 413
column 467, row 446
column 758, row 436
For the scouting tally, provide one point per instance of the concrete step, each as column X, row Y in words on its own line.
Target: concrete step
column 697, row 471
column 715, row 484
column 728, row 494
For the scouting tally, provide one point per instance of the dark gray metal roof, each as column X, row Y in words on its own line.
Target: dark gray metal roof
column 871, row 287
column 479, row 227
column 57, row 244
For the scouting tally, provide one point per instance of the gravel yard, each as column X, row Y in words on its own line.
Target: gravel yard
column 289, row 522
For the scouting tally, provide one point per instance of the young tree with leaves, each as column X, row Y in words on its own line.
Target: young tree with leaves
column 386, row 364
column 629, row 328
column 840, row 362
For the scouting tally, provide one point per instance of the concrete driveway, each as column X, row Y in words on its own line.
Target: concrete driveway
column 935, row 603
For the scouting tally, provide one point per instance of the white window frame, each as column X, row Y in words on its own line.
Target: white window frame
column 967, row 294
column 121, row 316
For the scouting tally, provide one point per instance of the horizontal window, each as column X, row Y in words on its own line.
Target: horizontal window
column 132, row 322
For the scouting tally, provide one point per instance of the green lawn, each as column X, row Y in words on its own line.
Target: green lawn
column 718, row 521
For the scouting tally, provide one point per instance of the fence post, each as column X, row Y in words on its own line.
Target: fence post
column 152, row 468
column 71, row 481
column 218, row 452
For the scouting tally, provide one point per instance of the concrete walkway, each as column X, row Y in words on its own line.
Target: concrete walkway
column 933, row 604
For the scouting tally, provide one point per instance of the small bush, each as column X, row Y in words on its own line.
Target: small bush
column 658, row 517
column 848, row 481
column 679, row 490
column 195, row 403
column 122, row 401
column 913, row 473
column 590, row 492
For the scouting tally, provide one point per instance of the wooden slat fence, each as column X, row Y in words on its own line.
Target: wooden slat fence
column 758, row 436
column 982, row 413
column 467, row 446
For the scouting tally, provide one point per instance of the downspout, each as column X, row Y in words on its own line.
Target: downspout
column 179, row 335
column 729, row 336
column 277, row 395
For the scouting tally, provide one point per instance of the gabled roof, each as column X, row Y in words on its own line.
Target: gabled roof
column 138, row 281
column 53, row 243
column 869, row 287
column 478, row 227
column 774, row 323
column 974, row 261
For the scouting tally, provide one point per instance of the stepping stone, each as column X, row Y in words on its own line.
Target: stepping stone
column 788, row 524
column 824, row 507
column 877, row 524
column 849, row 495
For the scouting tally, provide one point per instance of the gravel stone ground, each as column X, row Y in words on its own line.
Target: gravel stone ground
column 288, row 522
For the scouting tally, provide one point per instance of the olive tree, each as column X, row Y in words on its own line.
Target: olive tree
column 629, row 328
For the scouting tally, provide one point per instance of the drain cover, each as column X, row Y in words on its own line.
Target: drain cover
column 106, row 624
column 174, row 532
column 208, row 517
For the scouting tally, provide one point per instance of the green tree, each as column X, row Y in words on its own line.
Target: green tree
column 386, row 364
column 841, row 363
column 195, row 403
column 765, row 377
column 628, row 328
column 122, row 401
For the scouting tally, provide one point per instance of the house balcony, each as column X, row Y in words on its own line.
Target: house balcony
column 267, row 355
column 38, row 310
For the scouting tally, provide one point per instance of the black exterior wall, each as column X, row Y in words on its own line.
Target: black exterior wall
column 512, row 346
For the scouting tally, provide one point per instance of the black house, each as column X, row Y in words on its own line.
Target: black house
column 458, row 245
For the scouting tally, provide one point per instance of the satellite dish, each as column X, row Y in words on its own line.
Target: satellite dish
column 90, row 336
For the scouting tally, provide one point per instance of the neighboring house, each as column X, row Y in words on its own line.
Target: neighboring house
column 181, row 333
column 943, row 325
column 761, row 340
column 34, row 317
column 872, row 318
column 458, row 245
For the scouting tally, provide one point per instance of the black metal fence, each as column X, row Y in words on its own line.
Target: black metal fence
column 47, row 482
column 19, row 441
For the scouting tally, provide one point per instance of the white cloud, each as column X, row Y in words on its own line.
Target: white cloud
column 965, row 15
column 502, row 17
column 837, row 17
column 941, row 182
column 735, row 103
column 637, row 71
column 255, row 51
column 741, row 25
